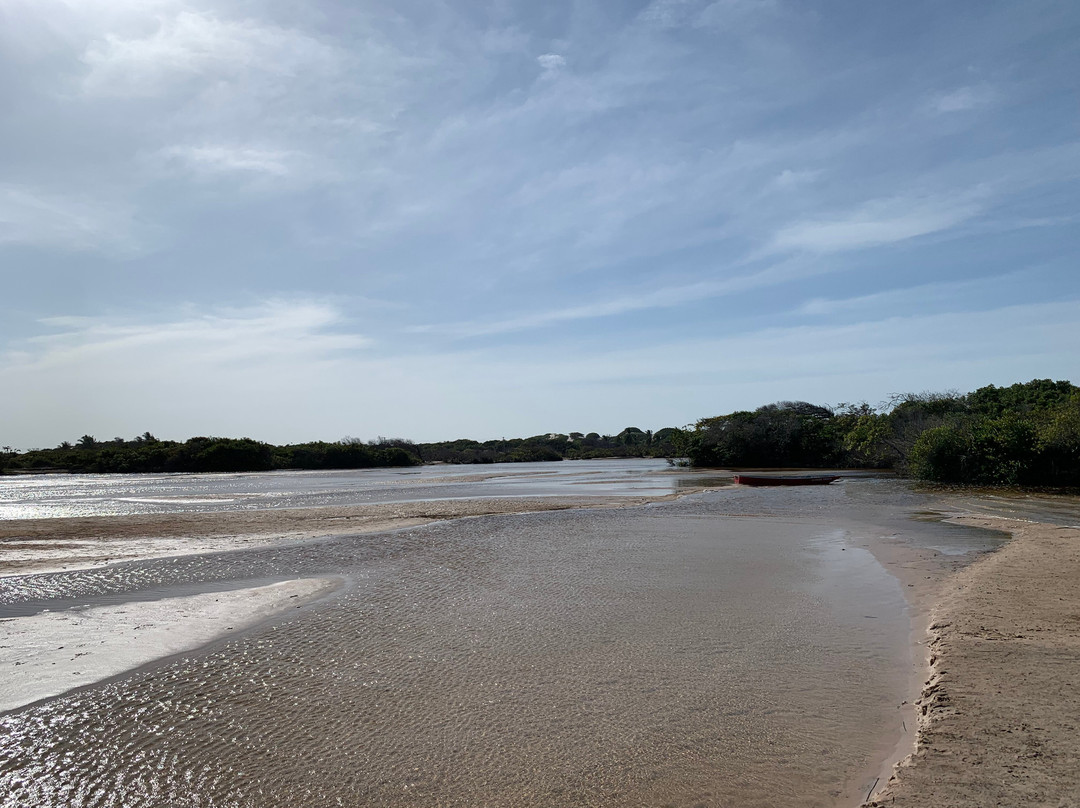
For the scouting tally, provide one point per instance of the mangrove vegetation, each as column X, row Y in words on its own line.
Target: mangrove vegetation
column 1026, row 434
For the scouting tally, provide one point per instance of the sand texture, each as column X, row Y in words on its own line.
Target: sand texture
column 29, row 546
column 1000, row 715
column 48, row 654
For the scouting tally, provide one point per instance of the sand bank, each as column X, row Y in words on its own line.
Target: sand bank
column 30, row 546
column 49, row 654
column 999, row 717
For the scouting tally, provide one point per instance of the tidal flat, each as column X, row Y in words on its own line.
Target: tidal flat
column 729, row 647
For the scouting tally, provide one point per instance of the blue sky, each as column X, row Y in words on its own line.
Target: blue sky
column 484, row 219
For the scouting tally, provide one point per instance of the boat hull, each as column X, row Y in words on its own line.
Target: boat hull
column 761, row 480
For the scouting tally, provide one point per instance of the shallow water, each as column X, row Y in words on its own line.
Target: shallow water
column 738, row 648
column 1056, row 509
column 54, row 495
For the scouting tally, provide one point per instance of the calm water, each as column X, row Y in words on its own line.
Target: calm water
column 43, row 496
column 734, row 648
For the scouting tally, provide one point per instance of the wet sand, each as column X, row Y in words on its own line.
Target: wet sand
column 33, row 546
column 45, row 655
column 999, row 716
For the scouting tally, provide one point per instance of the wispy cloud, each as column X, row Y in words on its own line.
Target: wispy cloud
column 645, row 299
column 215, row 159
column 299, row 373
column 574, row 172
column 699, row 14
column 227, row 371
column 68, row 222
column 875, row 224
column 193, row 43
column 978, row 293
column 964, row 99
column 224, row 336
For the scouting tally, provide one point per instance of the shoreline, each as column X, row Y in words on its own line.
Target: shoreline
column 76, row 648
column 998, row 713
column 45, row 545
column 922, row 573
column 947, row 598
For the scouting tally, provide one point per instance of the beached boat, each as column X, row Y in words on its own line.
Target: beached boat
column 762, row 479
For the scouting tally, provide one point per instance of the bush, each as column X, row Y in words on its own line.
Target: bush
column 940, row 455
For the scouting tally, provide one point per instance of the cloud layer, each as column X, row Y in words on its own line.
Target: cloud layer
column 452, row 198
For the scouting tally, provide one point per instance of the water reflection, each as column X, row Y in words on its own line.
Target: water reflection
column 46, row 496
column 732, row 648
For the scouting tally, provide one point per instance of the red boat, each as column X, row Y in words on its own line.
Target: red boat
column 760, row 479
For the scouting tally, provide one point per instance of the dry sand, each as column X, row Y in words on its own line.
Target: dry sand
column 999, row 716
column 30, row 546
column 48, row 654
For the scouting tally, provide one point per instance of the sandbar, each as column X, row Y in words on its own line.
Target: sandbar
column 46, row 655
column 33, row 546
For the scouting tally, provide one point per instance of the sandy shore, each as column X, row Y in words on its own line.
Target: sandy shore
column 997, row 642
column 48, row 654
column 999, row 716
column 30, row 546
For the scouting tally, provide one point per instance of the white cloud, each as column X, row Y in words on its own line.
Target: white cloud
column 229, row 159
column 193, row 43
column 210, row 340
column 651, row 169
column 963, row 99
column 69, row 222
column 877, row 223
column 551, row 63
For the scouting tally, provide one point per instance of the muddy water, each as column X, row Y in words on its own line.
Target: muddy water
column 737, row 648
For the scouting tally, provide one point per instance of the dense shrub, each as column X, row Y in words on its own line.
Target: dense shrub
column 1025, row 434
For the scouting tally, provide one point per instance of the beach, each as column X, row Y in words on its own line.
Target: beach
column 510, row 621
column 999, row 717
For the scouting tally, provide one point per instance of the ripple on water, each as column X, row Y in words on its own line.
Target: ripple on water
column 658, row 656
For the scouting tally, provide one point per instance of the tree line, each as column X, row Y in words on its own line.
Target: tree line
column 148, row 454
column 1026, row 434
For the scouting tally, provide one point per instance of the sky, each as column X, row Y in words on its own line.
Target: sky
column 490, row 218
